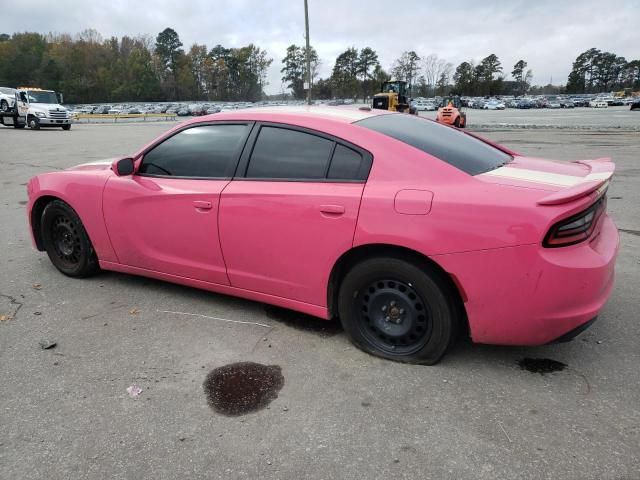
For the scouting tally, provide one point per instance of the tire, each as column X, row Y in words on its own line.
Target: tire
column 34, row 123
column 4, row 106
column 18, row 125
column 456, row 122
column 66, row 127
column 397, row 310
column 66, row 241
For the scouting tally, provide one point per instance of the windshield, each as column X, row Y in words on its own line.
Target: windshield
column 462, row 151
column 42, row 97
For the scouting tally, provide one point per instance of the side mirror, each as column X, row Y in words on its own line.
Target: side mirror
column 123, row 167
column 60, row 98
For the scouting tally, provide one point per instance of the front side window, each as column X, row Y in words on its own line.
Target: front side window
column 289, row 154
column 208, row 151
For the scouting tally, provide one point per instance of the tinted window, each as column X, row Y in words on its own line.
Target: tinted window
column 284, row 153
column 463, row 151
column 207, row 151
column 345, row 164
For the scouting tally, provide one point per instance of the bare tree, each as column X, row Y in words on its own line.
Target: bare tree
column 433, row 68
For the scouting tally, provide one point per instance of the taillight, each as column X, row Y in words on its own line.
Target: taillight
column 576, row 228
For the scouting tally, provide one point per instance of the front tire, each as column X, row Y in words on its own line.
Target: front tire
column 397, row 310
column 34, row 123
column 4, row 106
column 66, row 127
column 66, row 241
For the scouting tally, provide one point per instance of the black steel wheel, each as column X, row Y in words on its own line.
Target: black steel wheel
column 398, row 310
column 66, row 241
column 393, row 317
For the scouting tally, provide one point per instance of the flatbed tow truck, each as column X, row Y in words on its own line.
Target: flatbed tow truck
column 36, row 108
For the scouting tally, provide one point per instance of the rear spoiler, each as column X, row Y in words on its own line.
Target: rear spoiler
column 601, row 171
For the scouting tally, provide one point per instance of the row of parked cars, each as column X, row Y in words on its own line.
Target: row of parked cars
column 180, row 109
column 551, row 101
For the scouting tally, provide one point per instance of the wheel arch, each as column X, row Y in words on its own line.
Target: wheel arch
column 363, row 252
column 36, row 217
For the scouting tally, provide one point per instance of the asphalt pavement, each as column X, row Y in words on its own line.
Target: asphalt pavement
column 65, row 412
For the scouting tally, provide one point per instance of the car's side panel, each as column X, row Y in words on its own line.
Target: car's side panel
column 166, row 224
column 283, row 238
column 82, row 190
column 315, row 310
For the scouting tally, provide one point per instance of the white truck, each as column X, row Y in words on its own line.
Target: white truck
column 36, row 108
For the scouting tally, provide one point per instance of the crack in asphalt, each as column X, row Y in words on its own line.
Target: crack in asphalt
column 13, row 301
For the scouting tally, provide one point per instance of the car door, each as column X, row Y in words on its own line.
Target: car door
column 291, row 211
column 164, row 217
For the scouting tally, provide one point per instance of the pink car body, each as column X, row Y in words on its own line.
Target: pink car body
column 281, row 242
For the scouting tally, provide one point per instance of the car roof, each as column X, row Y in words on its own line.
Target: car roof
column 341, row 114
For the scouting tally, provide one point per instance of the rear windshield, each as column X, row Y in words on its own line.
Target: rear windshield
column 462, row 151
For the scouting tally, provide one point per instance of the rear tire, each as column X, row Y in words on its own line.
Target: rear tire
column 18, row 125
column 66, row 241
column 397, row 310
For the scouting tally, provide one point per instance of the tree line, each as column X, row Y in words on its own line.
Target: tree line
column 90, row 69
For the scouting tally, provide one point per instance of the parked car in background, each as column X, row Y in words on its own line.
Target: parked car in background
column 7, row 98
column 566, row 103
column 553, row 102
column 598, row 103
column 494, row 105
column 635, row 105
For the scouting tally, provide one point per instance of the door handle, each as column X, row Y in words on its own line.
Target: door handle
column 202, row 205
column 332, row 209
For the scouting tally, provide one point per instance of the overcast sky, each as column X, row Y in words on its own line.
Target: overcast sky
column 548, row 34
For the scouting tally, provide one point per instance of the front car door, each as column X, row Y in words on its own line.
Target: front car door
column 291, row 211
column 164, row 217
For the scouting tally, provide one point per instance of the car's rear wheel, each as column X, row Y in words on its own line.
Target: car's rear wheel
column 397, row 310
column 66, row 241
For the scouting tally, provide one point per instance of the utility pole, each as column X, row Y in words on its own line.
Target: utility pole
column 306, row 26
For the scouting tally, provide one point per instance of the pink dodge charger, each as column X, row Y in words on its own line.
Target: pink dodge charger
column 406, row 230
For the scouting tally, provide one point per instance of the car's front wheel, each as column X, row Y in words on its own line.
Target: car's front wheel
column 4, row 105
column 34, row 123
column 66, row 241
column 397, row 310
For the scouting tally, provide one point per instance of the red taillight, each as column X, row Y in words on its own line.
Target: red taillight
column 576, row 228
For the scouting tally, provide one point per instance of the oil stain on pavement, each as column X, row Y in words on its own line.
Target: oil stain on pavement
column 541, row 365
column 300, row 321
column 241, row 388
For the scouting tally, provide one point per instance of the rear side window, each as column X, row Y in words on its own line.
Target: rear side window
column 346, row 164
column 462, row 151
column 285, row 153
column 209, row 151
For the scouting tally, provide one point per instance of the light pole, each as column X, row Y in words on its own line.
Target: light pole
column 306, row 26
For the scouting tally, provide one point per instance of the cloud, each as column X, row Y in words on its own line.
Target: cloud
column 546, row 33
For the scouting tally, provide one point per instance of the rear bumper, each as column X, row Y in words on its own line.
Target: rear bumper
column 530, row 295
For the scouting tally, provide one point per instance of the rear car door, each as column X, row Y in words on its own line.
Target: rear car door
column 164, row 217
column 291, row 211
